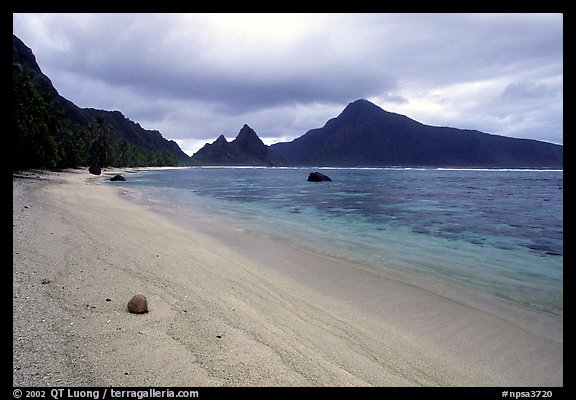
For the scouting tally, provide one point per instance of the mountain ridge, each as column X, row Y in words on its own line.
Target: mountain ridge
column 49, row 130
column 67, row 132
column 365, row 135
column 247, row 149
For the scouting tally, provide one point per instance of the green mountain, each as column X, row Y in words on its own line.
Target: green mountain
column 51, row 131
column 246, row 150
column 366, row 135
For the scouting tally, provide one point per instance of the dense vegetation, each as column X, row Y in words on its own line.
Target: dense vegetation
column 51, row 131
column 33, row 143
column 43, row 138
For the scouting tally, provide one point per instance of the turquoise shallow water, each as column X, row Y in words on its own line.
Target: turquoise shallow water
column 494, row 232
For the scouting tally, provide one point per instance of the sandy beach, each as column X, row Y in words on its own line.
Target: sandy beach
column 231, row 309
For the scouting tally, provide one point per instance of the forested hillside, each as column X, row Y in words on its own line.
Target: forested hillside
column 50, row 131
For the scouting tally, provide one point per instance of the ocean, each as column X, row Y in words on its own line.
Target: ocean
column 493, row 233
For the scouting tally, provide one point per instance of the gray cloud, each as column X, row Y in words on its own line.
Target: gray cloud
column 193, row 77
column 531, row 90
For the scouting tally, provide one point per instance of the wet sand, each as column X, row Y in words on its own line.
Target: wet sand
column 230, row 308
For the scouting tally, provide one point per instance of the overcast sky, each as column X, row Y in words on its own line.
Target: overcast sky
column 196, row 76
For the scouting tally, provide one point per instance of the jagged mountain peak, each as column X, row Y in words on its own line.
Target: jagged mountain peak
column 246, row 149
column 246, row 128
column 248, row 134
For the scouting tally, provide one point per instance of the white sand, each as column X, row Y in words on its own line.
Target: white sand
column 231, row 309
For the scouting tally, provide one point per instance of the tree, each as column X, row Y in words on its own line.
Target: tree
column 33, row 143
column 99, row 137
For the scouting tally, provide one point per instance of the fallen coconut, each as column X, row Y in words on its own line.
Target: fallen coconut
column 138, row 304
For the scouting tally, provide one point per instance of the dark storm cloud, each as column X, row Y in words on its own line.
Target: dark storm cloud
column 142, row 53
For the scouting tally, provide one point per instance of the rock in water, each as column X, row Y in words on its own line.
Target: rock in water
column 138, row 304
column 95, row 170
column 117, row 178
column 318, row 177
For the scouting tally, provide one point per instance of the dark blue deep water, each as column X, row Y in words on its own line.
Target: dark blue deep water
column 497, row 232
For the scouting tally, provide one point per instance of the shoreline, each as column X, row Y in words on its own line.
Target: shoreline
column 257, row 241
column 226, row 314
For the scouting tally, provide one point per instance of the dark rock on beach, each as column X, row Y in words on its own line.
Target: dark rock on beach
column 318, row 177
column 117, row 178
column 138, row 304
column 95, row 170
